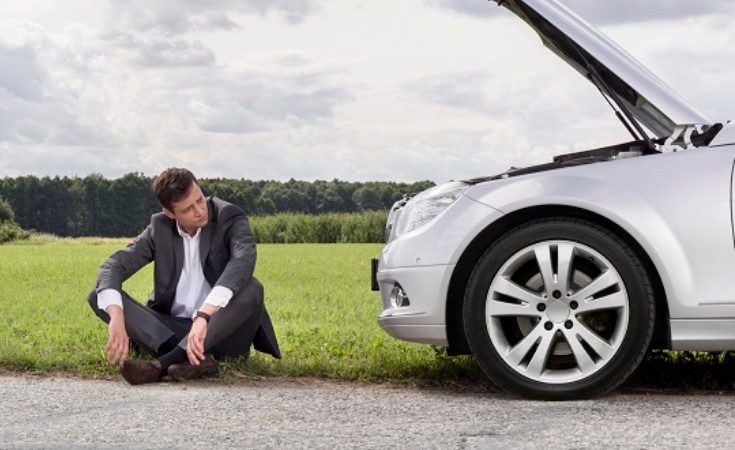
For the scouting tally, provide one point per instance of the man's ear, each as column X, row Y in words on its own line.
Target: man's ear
column 169, row 214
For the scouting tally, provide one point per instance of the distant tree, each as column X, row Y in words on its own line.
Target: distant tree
column 96, row 215
column 367, row 199
column 287, row 197
column 6, row 212
column 133, row 202
column 328, row 199
column 344, row 190
column 9, row 230
column 25, row 197
column 265, row 206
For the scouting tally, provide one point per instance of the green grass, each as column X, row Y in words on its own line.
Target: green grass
column 320, row 301
column 318, row 296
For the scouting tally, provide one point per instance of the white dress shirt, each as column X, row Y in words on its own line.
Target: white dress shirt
column 193, row 289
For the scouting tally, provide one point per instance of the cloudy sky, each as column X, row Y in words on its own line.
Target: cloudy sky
column 359, row 90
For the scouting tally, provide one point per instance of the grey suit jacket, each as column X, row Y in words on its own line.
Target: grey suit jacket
column 227, row 251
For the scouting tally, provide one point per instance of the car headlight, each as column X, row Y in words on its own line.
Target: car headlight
column 414, row 213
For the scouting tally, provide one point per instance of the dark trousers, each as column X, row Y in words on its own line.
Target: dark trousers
column 229, row 333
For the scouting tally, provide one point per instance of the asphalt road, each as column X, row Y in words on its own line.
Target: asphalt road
column 58, row 413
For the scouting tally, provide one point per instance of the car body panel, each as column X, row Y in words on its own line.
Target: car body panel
column 681, row 216
column 423, row 320
column 716, row 335
column 425, row 271
column 468, row 217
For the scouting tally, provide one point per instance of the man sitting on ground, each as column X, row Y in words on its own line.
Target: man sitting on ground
column 205, row 302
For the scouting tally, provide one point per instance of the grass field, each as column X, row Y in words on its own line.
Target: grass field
column 318, row 296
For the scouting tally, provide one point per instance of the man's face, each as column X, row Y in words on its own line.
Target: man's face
column 191, row 211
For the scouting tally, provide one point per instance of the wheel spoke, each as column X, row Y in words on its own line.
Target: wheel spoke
column 545, row 265
column 616, row 300
column 519, row 352
column 498, row 309
column 599, row 345
column 537, row 365
column 584, row 361
column 565, row 255
column 559, row 279
column 506, row 287
column 599, row 284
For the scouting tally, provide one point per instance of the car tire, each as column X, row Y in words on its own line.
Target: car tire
column 559, row 309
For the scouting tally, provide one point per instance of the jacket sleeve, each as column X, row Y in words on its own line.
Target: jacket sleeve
column 126, row 262
column 239, row 240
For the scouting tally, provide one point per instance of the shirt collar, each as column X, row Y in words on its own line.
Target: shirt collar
column 184, row 234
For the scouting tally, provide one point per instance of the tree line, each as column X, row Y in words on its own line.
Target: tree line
column 121, row 207
column 9, row 230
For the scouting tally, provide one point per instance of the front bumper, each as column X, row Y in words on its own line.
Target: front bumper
column 421, row 262
column 422, row 320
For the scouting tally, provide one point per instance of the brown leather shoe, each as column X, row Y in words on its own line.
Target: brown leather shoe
column 187, row 371
column 139, row 372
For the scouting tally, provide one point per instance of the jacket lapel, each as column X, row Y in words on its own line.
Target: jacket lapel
column 205, row 240
column 168, row 267
column 178, row 244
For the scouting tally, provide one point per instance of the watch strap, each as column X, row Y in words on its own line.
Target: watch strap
column 203, row 315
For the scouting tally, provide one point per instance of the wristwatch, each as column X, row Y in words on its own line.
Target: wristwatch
column 202, row 314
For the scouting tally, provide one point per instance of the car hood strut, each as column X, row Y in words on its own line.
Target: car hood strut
column 649, row 109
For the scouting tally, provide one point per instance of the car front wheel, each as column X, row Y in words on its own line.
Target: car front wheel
column 559, row 309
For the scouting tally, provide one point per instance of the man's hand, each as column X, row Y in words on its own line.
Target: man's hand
column 195, row 341
column 118, row 344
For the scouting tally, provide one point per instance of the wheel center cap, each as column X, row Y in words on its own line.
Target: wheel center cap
column 557, row 311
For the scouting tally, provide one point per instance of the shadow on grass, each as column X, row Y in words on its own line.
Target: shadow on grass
column 434, row 370
column 660, row 371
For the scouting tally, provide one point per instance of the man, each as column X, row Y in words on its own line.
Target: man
column 205, row 302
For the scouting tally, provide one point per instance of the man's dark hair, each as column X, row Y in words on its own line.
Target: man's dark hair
column 172, row 185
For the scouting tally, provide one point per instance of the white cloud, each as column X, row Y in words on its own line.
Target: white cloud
column 173, row 17
column 278, row 89
column 239, row 101
column 160, row 53
column 21, row 73
column 40, row 91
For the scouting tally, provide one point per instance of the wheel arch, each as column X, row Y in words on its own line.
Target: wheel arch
column 456, row 292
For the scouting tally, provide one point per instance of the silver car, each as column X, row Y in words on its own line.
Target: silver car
column 560, row 277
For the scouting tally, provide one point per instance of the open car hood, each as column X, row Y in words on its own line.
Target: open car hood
column 641, row 97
